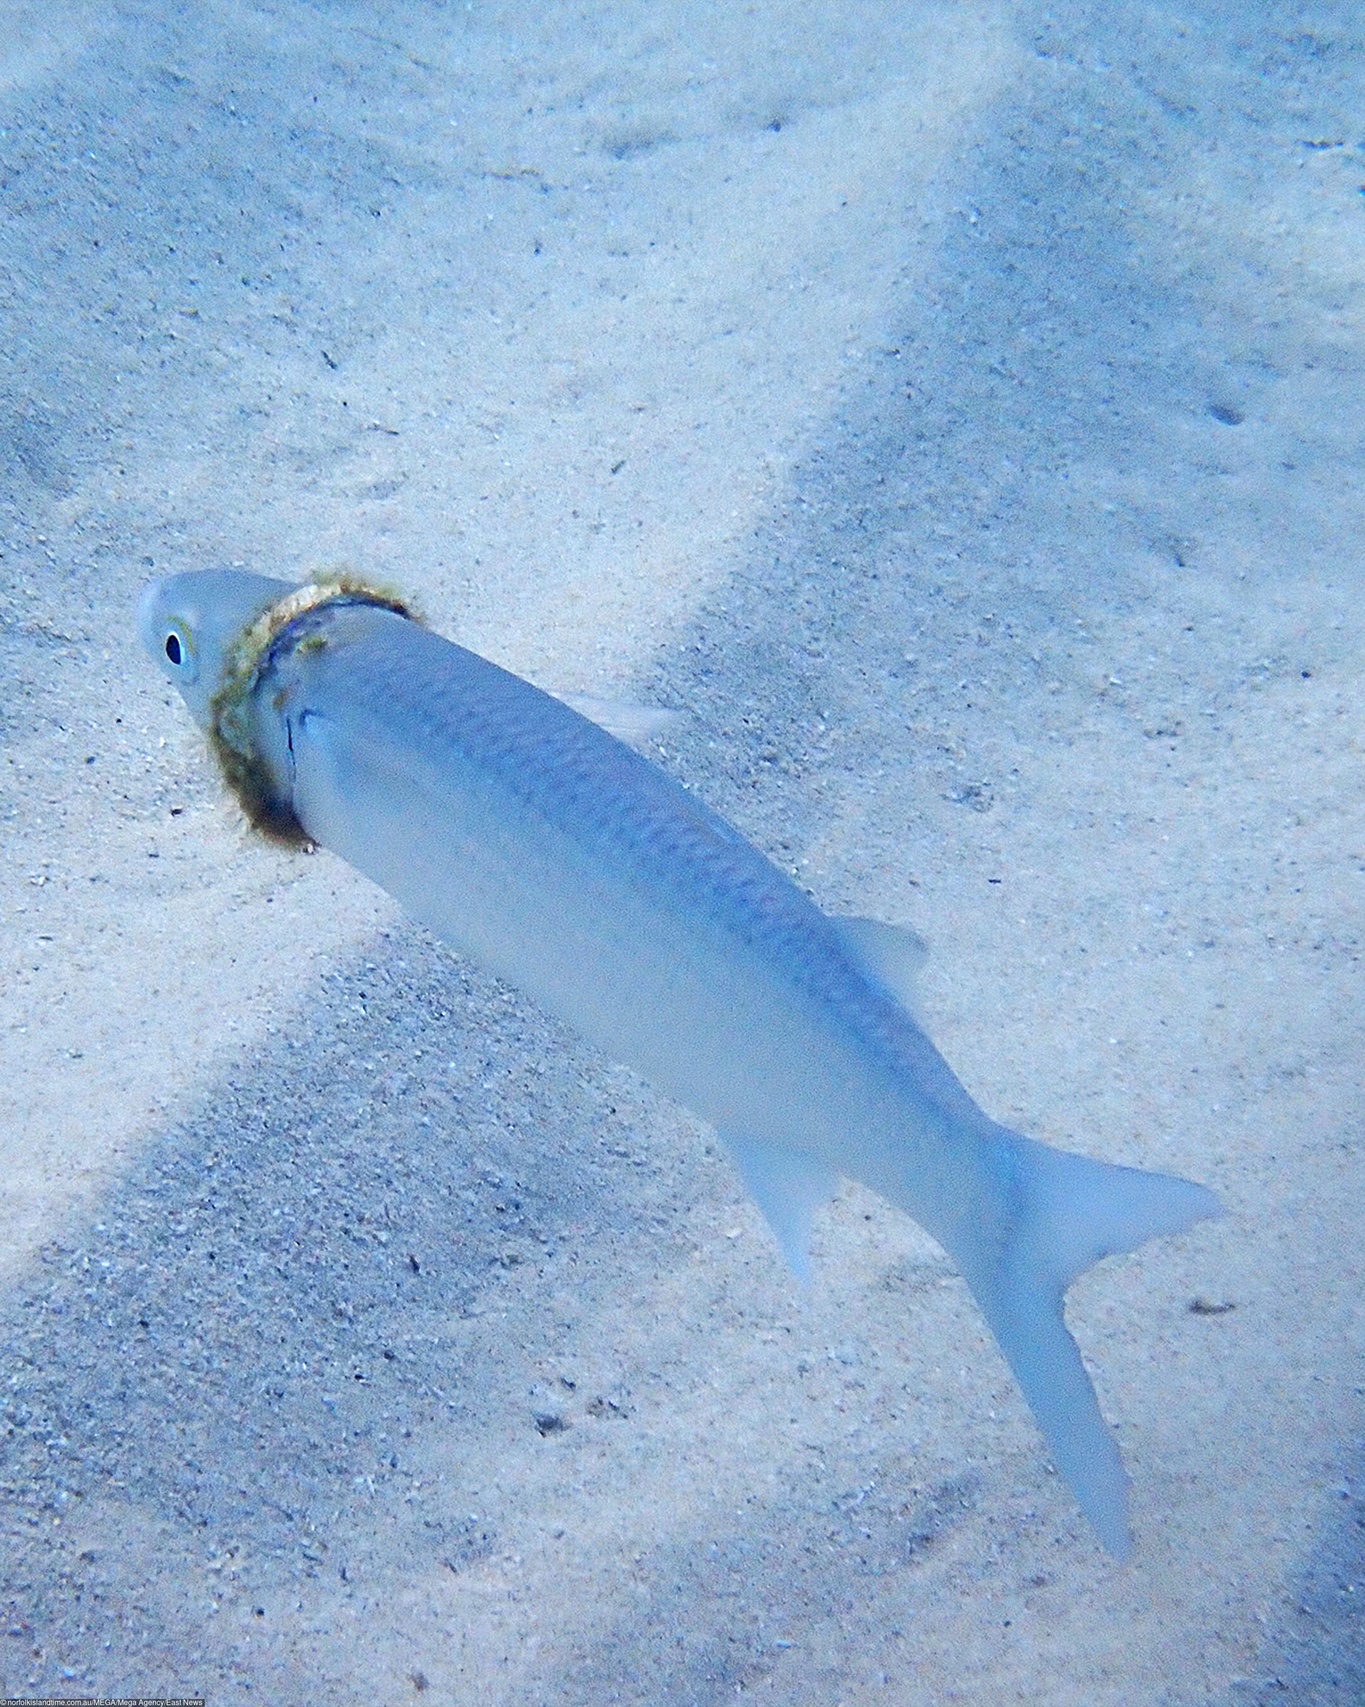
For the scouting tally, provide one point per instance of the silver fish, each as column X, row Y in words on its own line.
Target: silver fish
column 551, row 853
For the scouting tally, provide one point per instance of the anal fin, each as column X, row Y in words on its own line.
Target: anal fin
column 788, row 1187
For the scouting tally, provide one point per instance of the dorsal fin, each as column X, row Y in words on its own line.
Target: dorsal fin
column 788, row 1187
column 891, row 955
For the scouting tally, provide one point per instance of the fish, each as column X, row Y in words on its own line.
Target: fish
column 569, row 864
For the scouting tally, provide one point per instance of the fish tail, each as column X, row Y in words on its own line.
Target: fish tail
column 1056, row 1214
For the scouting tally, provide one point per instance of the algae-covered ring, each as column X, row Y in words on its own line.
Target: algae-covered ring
column 230, row 726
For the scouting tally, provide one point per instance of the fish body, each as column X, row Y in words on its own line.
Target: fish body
column 563, row 861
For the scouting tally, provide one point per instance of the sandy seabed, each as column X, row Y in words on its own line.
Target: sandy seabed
column 954, row 411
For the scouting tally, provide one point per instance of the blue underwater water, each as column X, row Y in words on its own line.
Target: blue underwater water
column 955, row 416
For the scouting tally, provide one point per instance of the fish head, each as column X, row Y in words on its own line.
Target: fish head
column 190, row 625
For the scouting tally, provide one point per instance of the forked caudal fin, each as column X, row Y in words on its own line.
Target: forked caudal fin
column 1057, row 1214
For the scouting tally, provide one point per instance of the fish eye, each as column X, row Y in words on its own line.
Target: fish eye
column 175, row 640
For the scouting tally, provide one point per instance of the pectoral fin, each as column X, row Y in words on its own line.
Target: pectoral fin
column 788, row 1187
column 632, row 724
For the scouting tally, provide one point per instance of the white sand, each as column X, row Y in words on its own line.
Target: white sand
column 959, row 417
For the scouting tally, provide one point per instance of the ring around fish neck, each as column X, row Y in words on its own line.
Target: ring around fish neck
column 278, row 629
